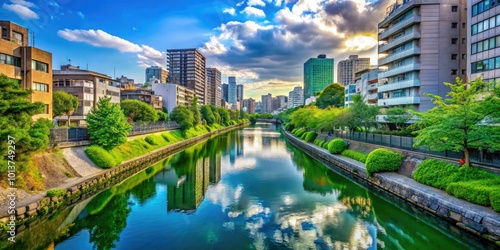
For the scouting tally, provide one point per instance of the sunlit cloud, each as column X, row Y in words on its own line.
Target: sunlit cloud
column 22, row 9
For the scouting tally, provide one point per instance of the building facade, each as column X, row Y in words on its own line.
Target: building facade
column 31, row 66
column 295, row 97
column 173, row 95
column 231, row 90
column 346, row 69
column 368, row 85
column 156, row 73
column 225, row 92
column 88, row 86
column 144, row 95
column 483, row 40
column 266, row 103
column 187, row 67
column 239, row 92
column 318, row 73
column 421, row 45
column 214, row 86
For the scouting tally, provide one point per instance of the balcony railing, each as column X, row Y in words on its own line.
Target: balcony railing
column 399, row 101
column 398, row 41
column 399, row 56
column 372, row 96
column 399, row 26
column 399, row 85
column 399, row 70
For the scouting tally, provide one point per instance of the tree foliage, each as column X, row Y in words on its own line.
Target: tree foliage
column 64, row 104
column 399, row 116
column 139, row 111
column 196, row 111
column 332, row 95
column 363, row 116
column 207, row 114
column 183, row 116
column 461, row 121
column 107, row 125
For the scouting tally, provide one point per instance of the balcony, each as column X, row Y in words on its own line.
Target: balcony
column 372, row 87
column 399, row 70
column 398, row 41
column 372, row 96
column 399, row 56
column 399, row 101
column 399, row 85
column 397, row 27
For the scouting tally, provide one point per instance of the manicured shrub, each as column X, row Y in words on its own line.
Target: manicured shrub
column 469, row 174
column 101, row 157
column 477, row 192
column 154, row 140
column 383, row 160
column 289, row 127
column 358, row 156
column 303, row 136
column 336, row 146
column 310, row 136
column 434, row 173
column 56, row 192
column 294, row 131
column 325, row 145
column 300, row 132
column 495, row 199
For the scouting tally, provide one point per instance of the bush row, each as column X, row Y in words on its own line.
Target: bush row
column 358, row 156
column 383, row 160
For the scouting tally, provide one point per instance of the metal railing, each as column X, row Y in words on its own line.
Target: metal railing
column 403, row 142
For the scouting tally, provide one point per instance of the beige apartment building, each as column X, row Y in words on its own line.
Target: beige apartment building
column 346, row 69
column 31, row 66
column 187, row 68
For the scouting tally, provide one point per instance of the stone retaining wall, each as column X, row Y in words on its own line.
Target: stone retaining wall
column 29, row 213
column 479, row 220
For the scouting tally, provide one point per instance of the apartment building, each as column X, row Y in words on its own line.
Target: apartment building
column 173, row 95
column 266, row 103
column 31, row 66
column 295, row 97
column 144, row 95
column 239, row 92
column 318, row 73
column 187, row 68
column 346, row 69
column 214, row 86
column 156, row 74
column 422, row 43
column 231, row 90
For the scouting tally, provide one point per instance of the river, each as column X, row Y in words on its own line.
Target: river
column 246, row 189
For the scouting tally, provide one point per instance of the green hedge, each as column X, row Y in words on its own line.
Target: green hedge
column 495, row 199
column 100, row 157
column 155, row 140
column 300, row 132
column 474, row 191
column 358, row 156
column 310, row 136
column 325, row 145
column 289, row 127
column 435, row 173
column 470, row 174
column 336, row 146
column 383, row 160
column 56, row 192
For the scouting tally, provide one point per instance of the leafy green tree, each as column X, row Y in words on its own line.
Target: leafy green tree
column 196, row 111
column 364, row 116
column 162, row 116
column 332, row 95
column 224, row 115
column 216, row 114
column 460, row 122
column 399, row 116
column 208, row 116
column 16, row 121
column 64, row 104
column 303, row 117
column 107, row 125
column 183, row 116
column 139, row 111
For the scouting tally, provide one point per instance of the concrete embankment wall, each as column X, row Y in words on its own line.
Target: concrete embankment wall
column 30, row 213
column 479, row 220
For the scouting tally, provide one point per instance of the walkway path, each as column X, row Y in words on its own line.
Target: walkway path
column 80, row 162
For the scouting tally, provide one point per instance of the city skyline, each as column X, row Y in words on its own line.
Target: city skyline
column 244, row 39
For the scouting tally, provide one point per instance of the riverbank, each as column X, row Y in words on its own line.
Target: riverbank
column 479, row 220
column 40, row 205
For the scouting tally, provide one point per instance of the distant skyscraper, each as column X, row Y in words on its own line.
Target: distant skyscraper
column 239, row 92
column 187, row 68
column 267, row 103
column 225, row 92
column 318, row 73
column 214, row 95
column 296, row 97
column 156, row 72
column 347, row 68
column 231, row 91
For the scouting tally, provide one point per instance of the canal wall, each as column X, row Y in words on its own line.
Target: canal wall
column 475, row 219
column 30, row 213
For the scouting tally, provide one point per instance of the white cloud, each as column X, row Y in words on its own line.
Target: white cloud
column 80, row 14
column 22, row 9
column 240, row 3
column 252, row 11
column 256, row 3
column 214, row 46
column 230, row 11
column 147, row 56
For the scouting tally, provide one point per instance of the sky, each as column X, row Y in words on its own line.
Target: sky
column 264, row 43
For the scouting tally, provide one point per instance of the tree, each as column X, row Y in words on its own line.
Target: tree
column 64, row 104
column 16, row 123
column 364, row 116
column 139, row 111
column 107, row 125
column 332, row 95
column 196, row 111
column 460, row 122
column 399, row 116
column 208, row 116
column 216, row 114
column 183, row 116
column 162, row 116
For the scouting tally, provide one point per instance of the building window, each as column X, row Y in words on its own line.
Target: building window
column 454, row 25
column 464, row 25
column 485, row 65
column 454, row 40
column 454, row 8
column 42, row 87
column 47, row 109
column 464, row 56
column 453, row 72
column 17, row 38
column 483, row 6
column 463, row 71
column 453, row 56
column 10, row 60
column 39, row 66
column 4, row 33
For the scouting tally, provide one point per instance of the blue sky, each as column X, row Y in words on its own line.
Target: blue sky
column 264, row 43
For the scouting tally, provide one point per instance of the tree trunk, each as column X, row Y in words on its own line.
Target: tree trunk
column 467, row 157
column 69, row 121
